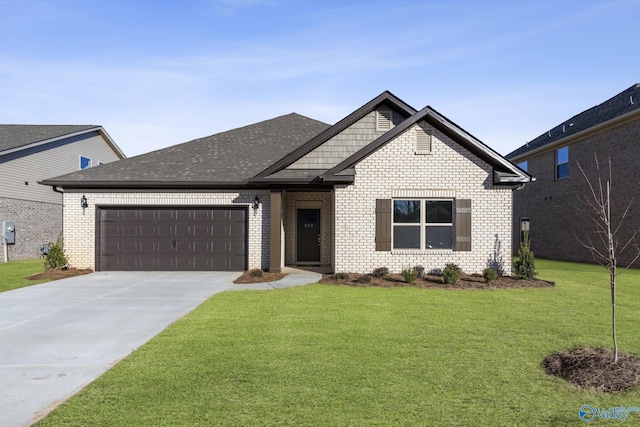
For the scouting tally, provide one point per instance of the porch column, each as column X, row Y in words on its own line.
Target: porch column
column 275, row 240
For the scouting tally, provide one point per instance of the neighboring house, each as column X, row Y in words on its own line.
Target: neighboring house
column 31, row 153
column 550, row 207
column 387, row 186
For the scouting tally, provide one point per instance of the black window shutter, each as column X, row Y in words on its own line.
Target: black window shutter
column 463, row 225
column 383, row 224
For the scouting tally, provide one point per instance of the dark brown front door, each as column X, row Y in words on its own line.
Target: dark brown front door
column 168, row 239
column 308, row 236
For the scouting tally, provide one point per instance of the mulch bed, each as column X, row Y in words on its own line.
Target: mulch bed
column 55, row 274
column 593, row 369
column 247, row 277
column 465, row 281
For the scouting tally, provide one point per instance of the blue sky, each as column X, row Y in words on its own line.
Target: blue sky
column 158, row 73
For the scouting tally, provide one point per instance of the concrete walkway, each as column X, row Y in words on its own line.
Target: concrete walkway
column 57, row 337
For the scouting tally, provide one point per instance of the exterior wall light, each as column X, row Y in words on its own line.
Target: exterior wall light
column 83, row 202
column 256, row 203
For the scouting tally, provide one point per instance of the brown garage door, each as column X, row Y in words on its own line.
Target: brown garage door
column 169, row 239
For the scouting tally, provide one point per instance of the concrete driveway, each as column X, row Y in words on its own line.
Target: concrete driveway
column 57, row 337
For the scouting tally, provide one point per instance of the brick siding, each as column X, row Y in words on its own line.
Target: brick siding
column 557, row 217
column 80, row 225
column 394, row 170
column 36, row 223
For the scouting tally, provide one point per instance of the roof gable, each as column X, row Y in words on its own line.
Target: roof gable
column 623, row 103
column 226, row 158
column 386, row 98
column 505, row 172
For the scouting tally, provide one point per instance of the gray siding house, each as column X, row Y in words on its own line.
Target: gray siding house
column 388, row 185
column 550, row 207
column 31, row 153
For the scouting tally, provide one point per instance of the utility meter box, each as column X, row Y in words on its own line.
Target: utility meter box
column 8, row 233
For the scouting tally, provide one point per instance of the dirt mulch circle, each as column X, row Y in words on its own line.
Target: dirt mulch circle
column 55, row 274
column 247, row 277
column 593, row 369
column 465, row 281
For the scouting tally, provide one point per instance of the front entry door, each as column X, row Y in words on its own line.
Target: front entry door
column 308, row 236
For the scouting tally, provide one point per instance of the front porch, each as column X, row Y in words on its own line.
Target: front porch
column 302, row 230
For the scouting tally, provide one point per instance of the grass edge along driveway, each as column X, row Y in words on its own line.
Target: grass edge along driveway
column 13, row 273
column 336, row 355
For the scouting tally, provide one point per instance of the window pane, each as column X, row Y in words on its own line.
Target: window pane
column 440, row 212
column 85, row 162
column 562, row 155
column 406, row 237
column 524, row 166
column 439, row 237
column 563, row 170
column 406, row 211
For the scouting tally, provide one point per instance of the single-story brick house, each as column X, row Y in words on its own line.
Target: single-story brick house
column 31, row 153
column 387, row 186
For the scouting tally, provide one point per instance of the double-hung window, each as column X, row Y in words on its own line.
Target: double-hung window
column 422, row 224
column 562, row 162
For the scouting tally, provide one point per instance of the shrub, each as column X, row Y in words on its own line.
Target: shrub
column 525, row 265
column 489, row 274
column 380, row 272
column 451, row 273
column 256, row 272
column 420, row 270
column 341, row 276
column 364, row 279
column 409, row 274
column 55, row 258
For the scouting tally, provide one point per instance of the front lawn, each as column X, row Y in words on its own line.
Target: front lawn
column 339, row 355
column 13, row 274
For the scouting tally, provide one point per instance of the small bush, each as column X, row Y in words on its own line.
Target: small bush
column 420, row 270
column 380, row 272
column 489, row 275
column 341, row 276
column 451, row 273
column 525, row 265
column 409, row 274
column 364, row 279
column 256, row 272
column 55, row 258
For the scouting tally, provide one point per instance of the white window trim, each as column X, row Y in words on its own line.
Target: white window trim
column 423, row 226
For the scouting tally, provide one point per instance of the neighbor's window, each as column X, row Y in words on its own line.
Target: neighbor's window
column 524, row 166
column 85, row 162
column 426, row 224
column 562, row 162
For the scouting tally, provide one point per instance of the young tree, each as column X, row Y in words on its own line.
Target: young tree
column 607, row 247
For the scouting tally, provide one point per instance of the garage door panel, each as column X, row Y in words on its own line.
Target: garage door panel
column 172, row 239
column 166, row 231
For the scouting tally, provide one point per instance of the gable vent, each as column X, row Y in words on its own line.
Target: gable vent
column 384, row 119
column 423, row 141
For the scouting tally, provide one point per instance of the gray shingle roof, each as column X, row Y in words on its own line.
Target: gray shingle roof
column 230, row 157
column 15, row 136
column 622, row 103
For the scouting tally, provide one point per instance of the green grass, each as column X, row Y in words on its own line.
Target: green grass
column 326, row 355
column 13, row 273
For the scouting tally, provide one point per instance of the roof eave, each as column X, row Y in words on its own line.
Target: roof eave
column 578, row 135
column 144, row 184
column 98, row 129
